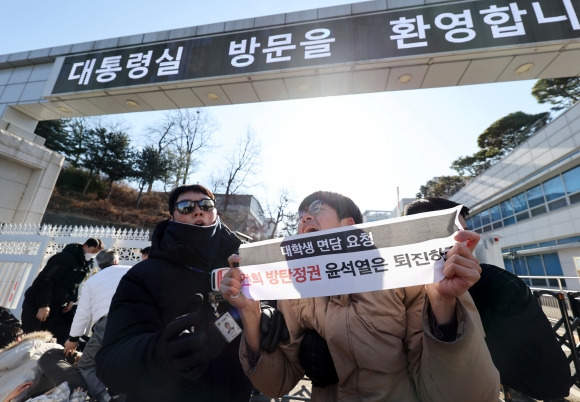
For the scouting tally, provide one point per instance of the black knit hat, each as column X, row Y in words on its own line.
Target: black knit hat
column 8, row 334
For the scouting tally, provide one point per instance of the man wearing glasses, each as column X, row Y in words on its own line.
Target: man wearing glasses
column 419, row 343
column 162, row 342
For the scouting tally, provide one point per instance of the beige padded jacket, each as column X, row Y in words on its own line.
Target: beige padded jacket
column 383, row 350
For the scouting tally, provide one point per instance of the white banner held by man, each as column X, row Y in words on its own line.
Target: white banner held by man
column 388, row 254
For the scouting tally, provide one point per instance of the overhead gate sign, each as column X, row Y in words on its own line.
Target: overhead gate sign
column 450, row 27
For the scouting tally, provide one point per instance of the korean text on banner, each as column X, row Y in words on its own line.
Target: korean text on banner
column 387, row 254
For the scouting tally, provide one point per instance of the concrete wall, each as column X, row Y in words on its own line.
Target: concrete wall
column 29, row 173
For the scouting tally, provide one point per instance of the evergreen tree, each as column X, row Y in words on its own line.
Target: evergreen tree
column 56, row 135
column 560, row 92
column 117, row 156
column 150, row 165
column 442, row 186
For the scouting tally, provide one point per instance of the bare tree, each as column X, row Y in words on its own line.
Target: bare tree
column 182, row 136
column 239, row 166
column 160, row 138
column 279, row 213
column 191, row 133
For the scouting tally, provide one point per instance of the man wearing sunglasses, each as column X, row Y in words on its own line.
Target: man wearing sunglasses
column 419, row 343
column 161, row 341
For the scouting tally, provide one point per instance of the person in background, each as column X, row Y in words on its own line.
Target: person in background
column 162, row 323
column 21, row 360
column 61, row 393
column 145, row 253
column 95, row 299
column 518, row 333
column 19, row 363
column 10, row 327
column 49, row 300
column 419, row 343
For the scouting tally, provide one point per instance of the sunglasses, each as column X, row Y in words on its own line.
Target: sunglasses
column 313, row 209
column 187, row 206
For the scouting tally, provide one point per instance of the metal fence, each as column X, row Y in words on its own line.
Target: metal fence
column 25, row 249
column 562, row 307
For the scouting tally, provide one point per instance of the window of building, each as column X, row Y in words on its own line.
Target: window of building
column 495, row 213
column 538, row 211
column 485, row 219
column 535, row 265
column 520, row 267
column 554, row 268
column 547, row 264
column 475, row 222
column 572, row 180
column 506, row 208
column 509, row 221
column 509, row 265
column 550, row 195
column 561, row 203
column 523, row 216
column 568, row 240
column 519, row 202
column 535, row 196
column 552, row 264
column 553, row 188
column 529, row 246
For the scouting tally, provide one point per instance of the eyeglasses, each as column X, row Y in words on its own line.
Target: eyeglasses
column 187, row 206
column 313, row 209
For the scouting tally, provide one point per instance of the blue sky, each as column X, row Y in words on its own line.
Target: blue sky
column 364, row 146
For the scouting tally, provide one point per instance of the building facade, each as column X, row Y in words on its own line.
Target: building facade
column 530, row 203
column 243, row 213
column 373, row 215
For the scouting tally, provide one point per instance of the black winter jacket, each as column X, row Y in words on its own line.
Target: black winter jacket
column 519, row 336
column 59, row 281
column 151, row 295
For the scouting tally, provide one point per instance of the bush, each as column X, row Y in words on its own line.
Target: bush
column 123, row 195
column 154, row 202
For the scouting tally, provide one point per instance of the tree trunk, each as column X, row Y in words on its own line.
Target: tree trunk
column 110, row 189
column 87, row 184
column 140, row 196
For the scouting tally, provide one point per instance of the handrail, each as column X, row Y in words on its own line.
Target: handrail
column 552, row 277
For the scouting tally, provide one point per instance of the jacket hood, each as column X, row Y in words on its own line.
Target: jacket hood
column 182, row 243
column 76, row 250
column 41, row 335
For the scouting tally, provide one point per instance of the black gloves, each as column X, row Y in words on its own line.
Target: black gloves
column 183, row 350
column 314, row 353
column 273, row 328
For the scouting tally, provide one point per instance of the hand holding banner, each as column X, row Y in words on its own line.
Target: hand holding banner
column 380, row 255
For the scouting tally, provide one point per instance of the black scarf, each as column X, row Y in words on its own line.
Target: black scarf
column 189, row 245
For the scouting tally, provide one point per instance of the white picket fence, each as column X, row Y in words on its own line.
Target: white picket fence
column 24, row 250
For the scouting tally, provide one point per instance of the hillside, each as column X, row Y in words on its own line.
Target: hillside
column 69, row 207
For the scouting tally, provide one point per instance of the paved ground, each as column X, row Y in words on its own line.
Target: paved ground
column 302, row 392
column 303, row 389
column 517, row 397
